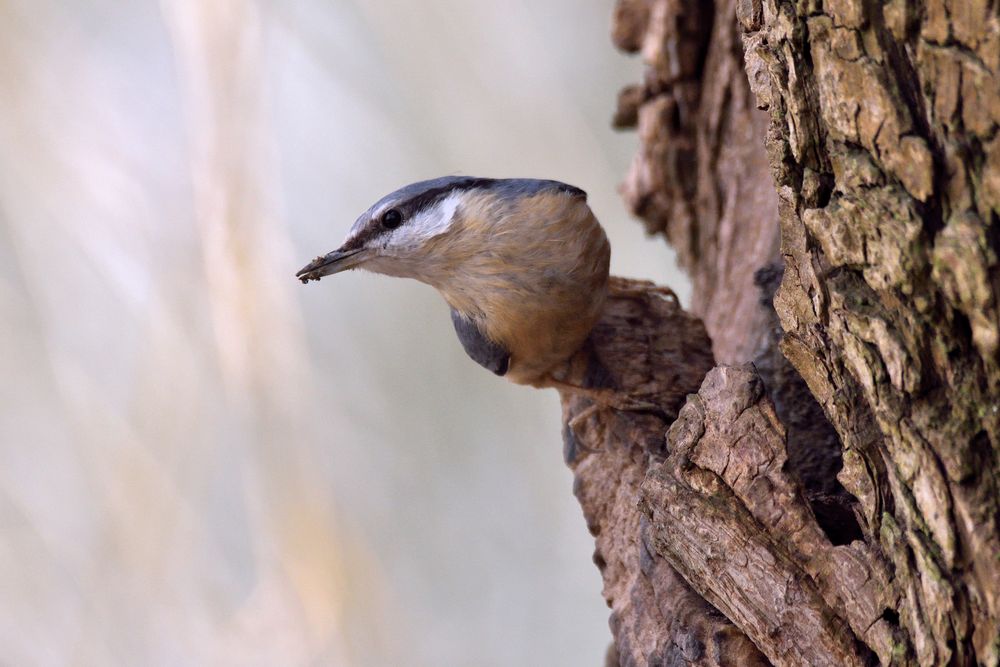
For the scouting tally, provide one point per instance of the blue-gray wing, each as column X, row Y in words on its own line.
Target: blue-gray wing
column 485, row 352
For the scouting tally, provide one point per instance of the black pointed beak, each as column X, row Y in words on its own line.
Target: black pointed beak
column 325, row 265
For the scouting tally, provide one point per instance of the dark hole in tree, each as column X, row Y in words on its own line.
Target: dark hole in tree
column 891, row 615
column 815, row 453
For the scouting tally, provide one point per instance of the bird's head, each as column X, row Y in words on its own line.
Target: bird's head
column 424, row 229
column 398, row 234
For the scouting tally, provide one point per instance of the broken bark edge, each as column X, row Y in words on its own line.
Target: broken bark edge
column 726, row 514
column 709, row 551
column 645, row 348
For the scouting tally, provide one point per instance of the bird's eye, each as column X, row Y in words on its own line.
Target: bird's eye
column 392, row 218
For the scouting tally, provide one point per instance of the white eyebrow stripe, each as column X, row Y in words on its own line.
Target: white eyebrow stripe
column 435, row 219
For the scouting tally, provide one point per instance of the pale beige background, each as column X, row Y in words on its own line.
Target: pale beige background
column 203, row 462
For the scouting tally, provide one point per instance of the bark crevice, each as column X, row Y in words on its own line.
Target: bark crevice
column 854, row 468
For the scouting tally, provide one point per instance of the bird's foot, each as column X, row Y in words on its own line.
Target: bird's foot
column 626, row 287
column 604, row 399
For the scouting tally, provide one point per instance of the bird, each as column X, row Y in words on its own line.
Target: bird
column 522, row 263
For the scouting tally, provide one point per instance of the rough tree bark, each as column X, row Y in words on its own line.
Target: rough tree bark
column 841, row 509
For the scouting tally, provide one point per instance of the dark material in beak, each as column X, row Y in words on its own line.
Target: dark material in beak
column 325, row 265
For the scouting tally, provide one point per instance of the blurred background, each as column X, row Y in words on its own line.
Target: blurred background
column 203, row 461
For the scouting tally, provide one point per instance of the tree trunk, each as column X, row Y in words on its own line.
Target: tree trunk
column 841, row 509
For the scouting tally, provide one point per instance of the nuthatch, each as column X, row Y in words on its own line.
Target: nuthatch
column 523, row 264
